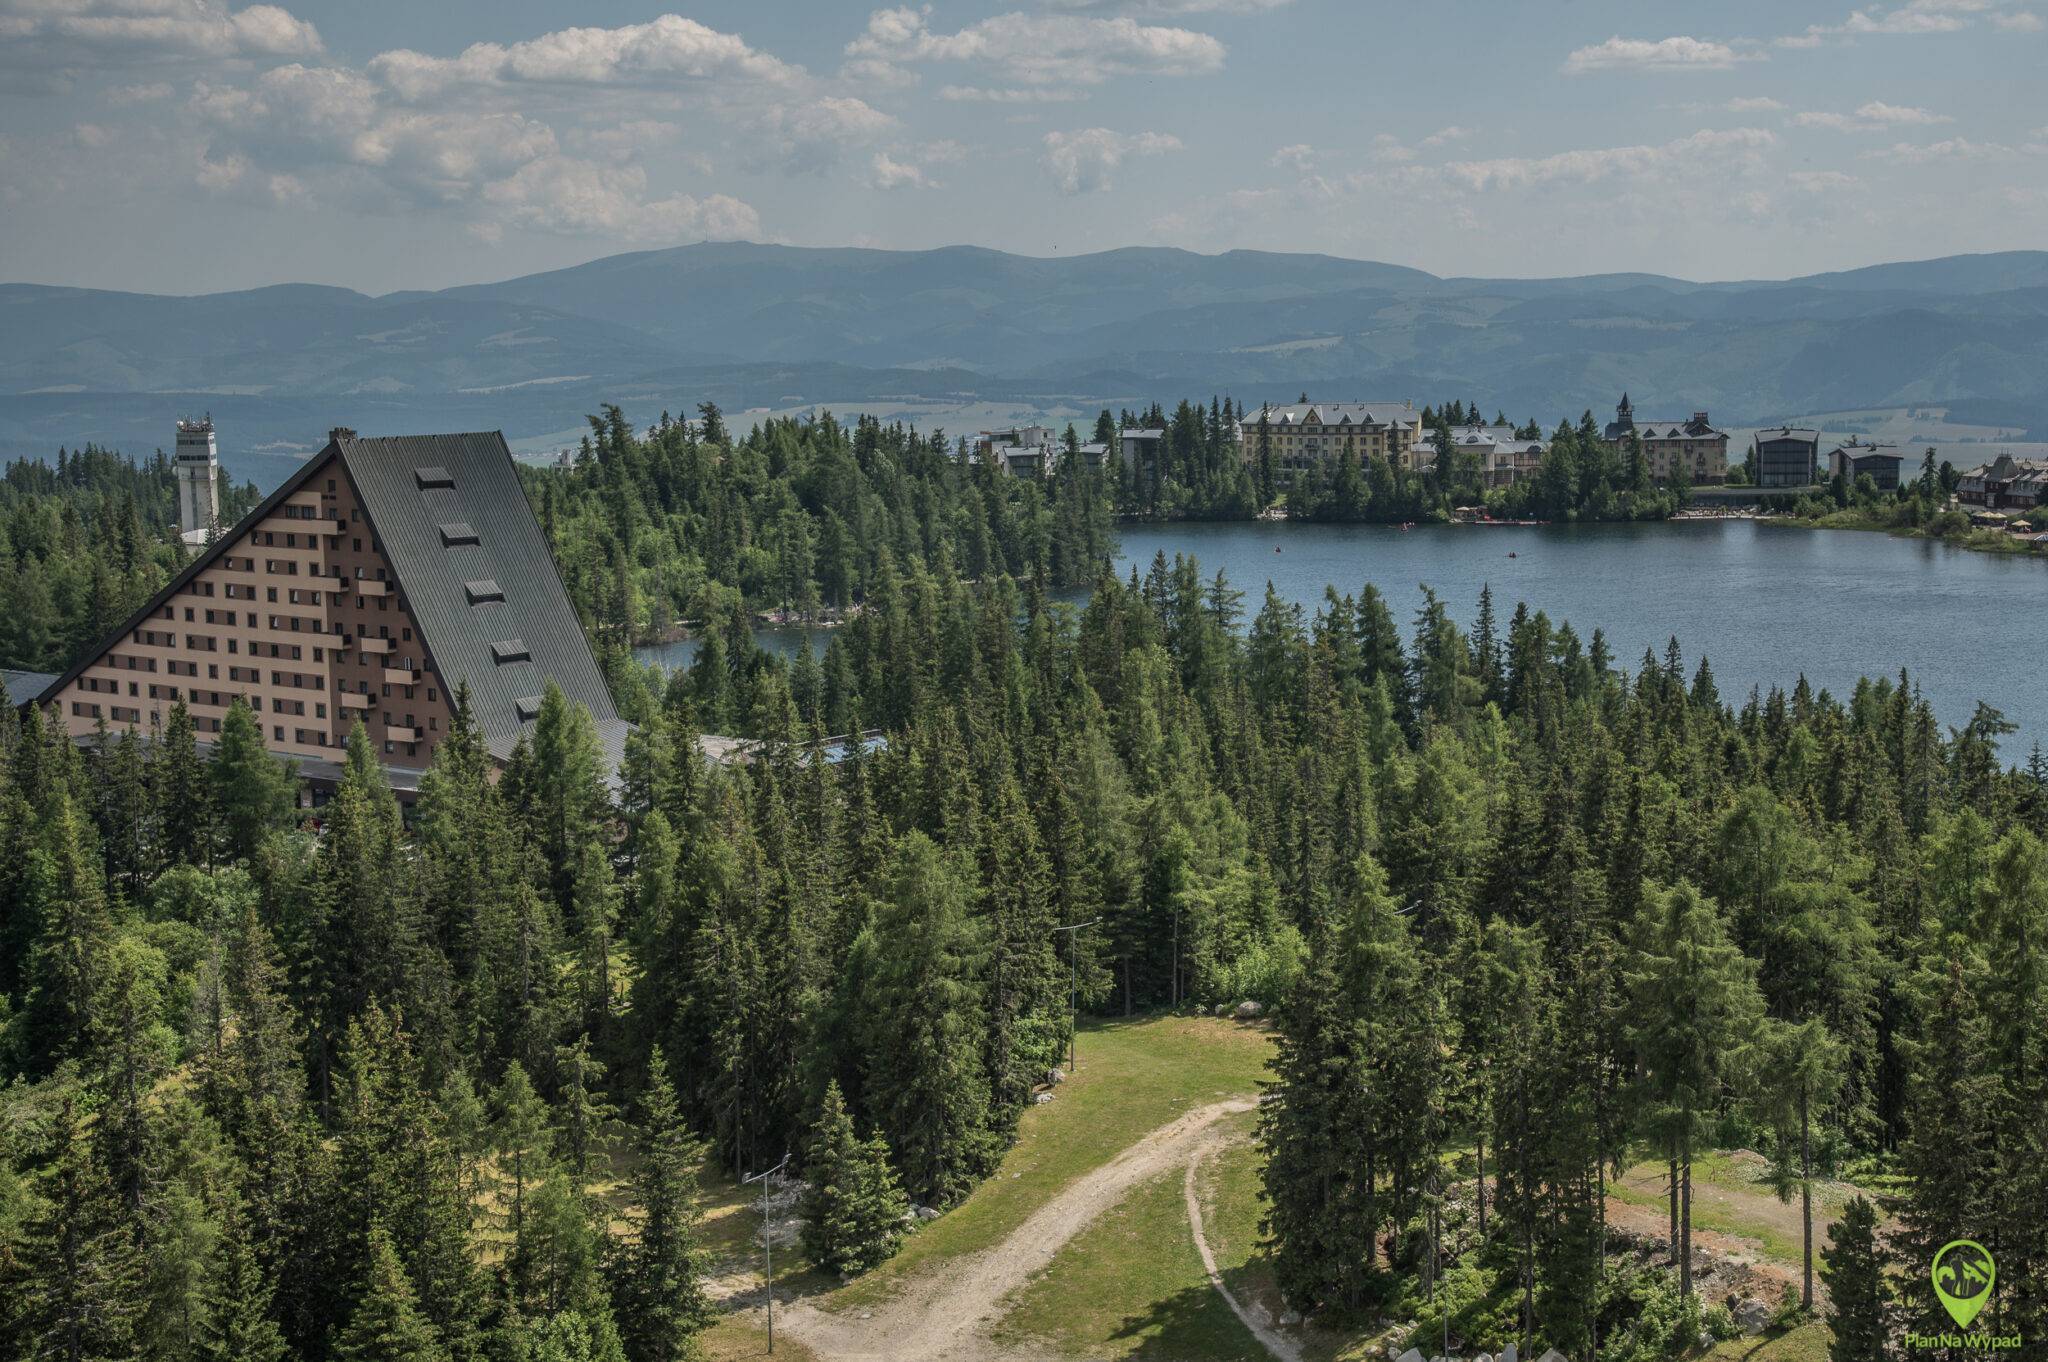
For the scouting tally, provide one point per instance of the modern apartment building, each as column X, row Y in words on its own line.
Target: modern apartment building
column 1855, row 458
column 373, row 584
column 1787, row 456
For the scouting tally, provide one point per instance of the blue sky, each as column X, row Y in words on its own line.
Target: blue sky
column 195, row 145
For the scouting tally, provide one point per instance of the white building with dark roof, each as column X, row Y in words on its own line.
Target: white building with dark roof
column 1691, row 447
column 1304, row 435
column 1504, row 457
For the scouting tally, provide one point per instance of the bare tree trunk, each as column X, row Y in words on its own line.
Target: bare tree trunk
column 1480, row 1184
column 1685, row 1226
column 1806, row 1198
column 1673, row 1184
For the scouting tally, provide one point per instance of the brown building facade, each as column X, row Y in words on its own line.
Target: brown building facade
column 373, row 584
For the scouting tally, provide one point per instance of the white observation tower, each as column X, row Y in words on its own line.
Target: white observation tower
column 198, row 465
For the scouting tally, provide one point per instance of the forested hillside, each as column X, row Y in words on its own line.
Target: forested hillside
column 376, row 1090
column 686, row 522
column 84, row 541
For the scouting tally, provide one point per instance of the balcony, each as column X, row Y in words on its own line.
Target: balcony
column 401, row 733
column 394, row 677
column 381, row 647
column 351, row 700
column 366, row 586
column 277, row 524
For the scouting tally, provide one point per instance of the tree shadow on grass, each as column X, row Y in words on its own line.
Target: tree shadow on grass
column 1191, row 1325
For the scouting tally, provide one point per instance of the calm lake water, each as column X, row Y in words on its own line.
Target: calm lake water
column 1765, row 603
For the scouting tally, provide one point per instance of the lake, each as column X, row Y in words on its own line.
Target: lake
column 1764, row 602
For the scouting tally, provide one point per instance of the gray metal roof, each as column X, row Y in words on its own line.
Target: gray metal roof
column 23, row 687
column 470, row 480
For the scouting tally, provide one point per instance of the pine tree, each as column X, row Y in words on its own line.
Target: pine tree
column 1853, row 1265
column 1314, row 1126
column 184, row 794
column 239, row 1326
column 253, row 793
column 852, row 1208
column 386, row 1324
column 1696, row 1017
column 922, row 1029
column 658, row 1279
column 81, row 1270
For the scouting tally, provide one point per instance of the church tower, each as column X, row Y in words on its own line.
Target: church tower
column 198, row 465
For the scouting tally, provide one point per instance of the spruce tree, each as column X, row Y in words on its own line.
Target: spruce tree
column 1696, row 1020
column 238, row 1325
column 386, row 1324
column 1853, row 1265
column 922, row 1029
column 658, row 1291
column 253, row 792
column 183, row 792
column 852, row 1208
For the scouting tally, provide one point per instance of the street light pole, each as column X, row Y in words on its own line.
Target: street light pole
column 767, row 1244
column 1074, row 986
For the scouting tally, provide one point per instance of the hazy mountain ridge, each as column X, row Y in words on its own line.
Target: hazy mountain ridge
column 778, row 327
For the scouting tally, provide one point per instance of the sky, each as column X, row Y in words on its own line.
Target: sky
column 188, row 146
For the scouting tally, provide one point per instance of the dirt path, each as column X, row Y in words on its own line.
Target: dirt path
column 943, row 1316
column 1253, row 1317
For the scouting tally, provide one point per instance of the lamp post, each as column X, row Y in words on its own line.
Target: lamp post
column 1074, row 985
column 767, row 1244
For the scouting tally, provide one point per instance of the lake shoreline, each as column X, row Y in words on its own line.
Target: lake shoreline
column 1764, row 608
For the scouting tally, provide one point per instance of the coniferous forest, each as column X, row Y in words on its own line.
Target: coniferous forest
column 442, row 1086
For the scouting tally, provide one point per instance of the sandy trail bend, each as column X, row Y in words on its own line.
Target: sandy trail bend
column 1252, row 1316
column 943, row 1316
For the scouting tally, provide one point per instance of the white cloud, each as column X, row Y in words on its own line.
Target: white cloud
column 562, row 195
column 1028, row 94
column 1387, row 148
column 1666, row 54
column 224, row 173
column 1951, row 149
column 1732, row 146
column 1042, row 49
column 1753, row 104
column 2018, row 21
column 890, row 173
column 660, row 51
column 314, row 131
column 813, row 134
column 1170, row 7
column 1085, row 162
column 898, row 168
column 1874, row 116
column 41, row 37
column 1821, row 181
column 1441, row 136
column 149, row 93
column 1296, row 156
column 91, row 135
column 1916, row 17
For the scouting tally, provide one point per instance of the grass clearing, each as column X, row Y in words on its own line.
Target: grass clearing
column 732, row 1338
column 1807, row 1342
column 1732, row 1195
column 1131, row 1286
column 1134, row 1077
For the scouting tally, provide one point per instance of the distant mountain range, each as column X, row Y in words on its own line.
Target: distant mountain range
column 960, row 334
